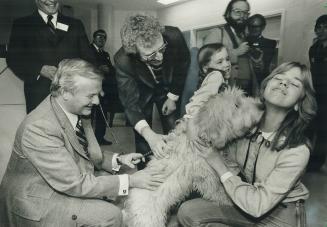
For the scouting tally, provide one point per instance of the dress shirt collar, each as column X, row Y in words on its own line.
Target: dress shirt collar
column 73, row 118
column 96, row 47
column 45, row 17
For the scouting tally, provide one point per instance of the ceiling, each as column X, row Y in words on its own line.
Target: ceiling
column 129, row 4
column 117, row 4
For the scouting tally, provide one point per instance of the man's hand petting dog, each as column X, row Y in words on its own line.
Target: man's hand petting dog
column 156, row 142
column 149, row 179
column 131, row 159
column 168, row 107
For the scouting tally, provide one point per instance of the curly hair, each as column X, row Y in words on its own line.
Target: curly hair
column 140, row 28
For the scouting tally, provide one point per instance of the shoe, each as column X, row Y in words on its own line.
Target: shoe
column 105, row 142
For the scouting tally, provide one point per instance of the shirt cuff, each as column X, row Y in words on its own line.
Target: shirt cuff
column 114, row 164
column 225, row 176
column 187, row 116
column 123, row 184
column 141, row 125
column 173, row 97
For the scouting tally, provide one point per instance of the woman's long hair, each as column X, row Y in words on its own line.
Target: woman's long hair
column 295, row 124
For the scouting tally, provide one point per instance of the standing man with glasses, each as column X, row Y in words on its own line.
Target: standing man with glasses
column 39, row 42
column 232, row 35
column 151, row 68
column 263, row 52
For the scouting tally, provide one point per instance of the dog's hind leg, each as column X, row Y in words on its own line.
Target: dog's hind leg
column 207, row 182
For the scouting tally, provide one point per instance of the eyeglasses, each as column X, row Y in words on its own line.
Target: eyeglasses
column 321, row 28
column 239, row 13
column 153, row 55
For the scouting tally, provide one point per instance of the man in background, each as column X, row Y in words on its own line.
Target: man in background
column 232, row 35
column 318, row 63
column 151, row 68
column 109, row 101
column 50, row 179
column 263, row 53
column 39, row 42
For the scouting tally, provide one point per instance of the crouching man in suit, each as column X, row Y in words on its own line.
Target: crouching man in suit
column 50, row 179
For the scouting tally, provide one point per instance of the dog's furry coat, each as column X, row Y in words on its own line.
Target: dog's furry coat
column 225, row 117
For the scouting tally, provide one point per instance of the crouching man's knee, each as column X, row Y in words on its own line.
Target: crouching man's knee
column 101, row 213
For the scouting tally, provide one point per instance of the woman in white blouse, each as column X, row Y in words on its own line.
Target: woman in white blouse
column 263, row 171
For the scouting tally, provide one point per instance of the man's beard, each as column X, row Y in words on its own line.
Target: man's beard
column 238, row 27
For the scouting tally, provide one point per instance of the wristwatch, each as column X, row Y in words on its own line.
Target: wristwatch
column 118, row 159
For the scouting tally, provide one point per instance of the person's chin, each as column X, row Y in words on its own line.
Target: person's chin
column 156, row 63
column 86, row 111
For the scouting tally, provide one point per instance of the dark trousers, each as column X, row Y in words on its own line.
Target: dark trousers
column 110, row 104
column 319, row 153
column 36, row 93
column 99, row 122
column 167, row 122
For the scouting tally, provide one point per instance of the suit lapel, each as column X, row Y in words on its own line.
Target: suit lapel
column 167, row 69
column 43, row 32
column 144, row 73
column 67, row 127
column 60, row 33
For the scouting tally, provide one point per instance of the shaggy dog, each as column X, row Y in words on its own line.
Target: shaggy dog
column 225, row 117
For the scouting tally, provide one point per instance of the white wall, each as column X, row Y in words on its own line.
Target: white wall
column 87, row 13
column 298, row 22
column 12, row 112
column 106, row 22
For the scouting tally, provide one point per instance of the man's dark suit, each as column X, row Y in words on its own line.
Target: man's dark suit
column 268, row 47
column 110, row 101
column 318, row 63
column 32, row 45
column 138, row 90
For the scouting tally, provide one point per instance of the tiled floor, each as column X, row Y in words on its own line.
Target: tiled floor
column 316, row 182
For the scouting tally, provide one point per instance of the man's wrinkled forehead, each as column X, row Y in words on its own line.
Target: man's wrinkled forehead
column 101, row 35
column 241, row 5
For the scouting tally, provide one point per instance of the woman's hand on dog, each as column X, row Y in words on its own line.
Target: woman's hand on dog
column 216, row 161
column 149, row 179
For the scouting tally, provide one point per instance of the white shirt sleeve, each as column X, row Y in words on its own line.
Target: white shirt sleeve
column 123, row 184
column 140, row 125
column 209, row 87
column 114, row 164
column 225, row 176
column 173, row 97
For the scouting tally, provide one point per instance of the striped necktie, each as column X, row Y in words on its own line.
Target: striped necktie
column 51, row 25
column 81, row 136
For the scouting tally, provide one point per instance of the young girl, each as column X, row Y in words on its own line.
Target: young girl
column 215, row 68
column 271, row 161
